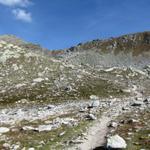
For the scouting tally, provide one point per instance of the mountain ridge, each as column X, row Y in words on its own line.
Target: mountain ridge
column 133, row 41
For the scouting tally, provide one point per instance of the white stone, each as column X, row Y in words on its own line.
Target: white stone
column 110, row 69
column 113, row 124
column 16, row 147
column 92, row 117
column 94, row 97
column 28, row 128
column 15, row 67
column 38, row 80
column 42, row 128
column 4, row 130
column 96, row 103
column 116, row 142
column 20, row 85
column 31, row 148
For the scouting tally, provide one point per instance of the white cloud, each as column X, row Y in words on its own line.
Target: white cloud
column 21, row 14
column 21, row 3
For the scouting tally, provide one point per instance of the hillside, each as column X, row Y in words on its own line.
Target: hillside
column 42, row 92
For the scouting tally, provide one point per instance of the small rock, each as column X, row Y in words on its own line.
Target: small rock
column 128, row 138
column 139, row 98
column 24, row 101
column 42, row 128
column 113, row 124
column 42, row 143
column 133, row 121
column 94, row 97
column 4, row 130
column 31, row 148
column 147, row 100
column 16, row 147
column 130, row 133
column 122, row 121
column 136, row 143
column 50, row 106
column 96, row 103
column 125, row 108
column 6, row 145
column 28, row 128
column 137, row 103
column 38, row 80
column 15, row 130
column 82, row 110
column 61, row 134
column 91, row 117
column 116, row 142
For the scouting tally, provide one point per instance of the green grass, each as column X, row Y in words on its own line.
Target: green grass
column 51, row 139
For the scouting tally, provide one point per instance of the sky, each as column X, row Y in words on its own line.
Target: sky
column 58, row 24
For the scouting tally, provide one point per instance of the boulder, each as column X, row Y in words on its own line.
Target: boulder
column 116, row 142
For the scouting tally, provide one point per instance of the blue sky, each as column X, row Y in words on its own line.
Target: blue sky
column 57, row 24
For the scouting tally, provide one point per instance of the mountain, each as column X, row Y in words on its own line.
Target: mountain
column 50, row 99
column 33, row 73
column 136, row 43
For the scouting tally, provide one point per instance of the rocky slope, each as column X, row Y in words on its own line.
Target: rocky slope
column 48, row 97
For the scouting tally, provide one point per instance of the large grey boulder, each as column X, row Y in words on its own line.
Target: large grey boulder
column 116, row 142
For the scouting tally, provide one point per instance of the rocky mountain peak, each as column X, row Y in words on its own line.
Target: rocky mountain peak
column 136, row 43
